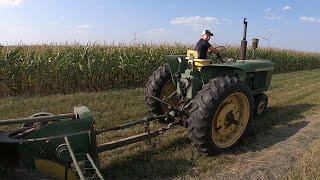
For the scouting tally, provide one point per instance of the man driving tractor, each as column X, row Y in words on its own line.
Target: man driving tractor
column 203, row 46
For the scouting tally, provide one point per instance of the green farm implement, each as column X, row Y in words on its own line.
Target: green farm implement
column 216, row 99
column 63, row 146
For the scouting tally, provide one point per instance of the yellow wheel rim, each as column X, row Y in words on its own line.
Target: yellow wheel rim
column 261, row 107
column 53, row 169
column 168, row 89
column 230, row 120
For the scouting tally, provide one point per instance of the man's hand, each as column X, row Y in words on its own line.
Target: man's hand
column 217, row 51
column 213, row 50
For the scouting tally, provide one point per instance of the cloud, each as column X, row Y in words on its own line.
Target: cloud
column 225, row 21
column 287, row 8
column 306, row 19
column 270, row 30
column 270, row 15
column 158, row 31
column 72, row 29
column 10, row 3
column 53, row 23
column 81, row 28
column 198, row 21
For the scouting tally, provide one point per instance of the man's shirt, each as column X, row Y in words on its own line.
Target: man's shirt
column 202, row 47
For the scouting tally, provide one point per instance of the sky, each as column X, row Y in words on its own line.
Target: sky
column 289, row 24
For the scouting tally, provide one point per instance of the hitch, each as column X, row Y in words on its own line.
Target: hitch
column 147, row 135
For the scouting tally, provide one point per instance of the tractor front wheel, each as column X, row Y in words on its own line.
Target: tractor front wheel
column 260, row 105
column 220, row 114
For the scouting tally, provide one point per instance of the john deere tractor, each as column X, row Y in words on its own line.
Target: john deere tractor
column 218, row 97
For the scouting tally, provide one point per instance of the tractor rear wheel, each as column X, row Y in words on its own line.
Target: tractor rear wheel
column 260, row 105
column 160, row 85
column 220, row 114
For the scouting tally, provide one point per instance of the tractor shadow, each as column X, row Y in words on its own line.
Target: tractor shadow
column 151, row 163
column 278, row 124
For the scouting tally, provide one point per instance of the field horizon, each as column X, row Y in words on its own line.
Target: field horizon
column 132, row 44
column 45, row 69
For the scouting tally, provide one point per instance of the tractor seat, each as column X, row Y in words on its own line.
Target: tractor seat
column 194, row 56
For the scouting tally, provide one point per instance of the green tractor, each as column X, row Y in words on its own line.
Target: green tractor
column 219, row 97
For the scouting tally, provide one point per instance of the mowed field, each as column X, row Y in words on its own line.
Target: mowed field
column 283, row 144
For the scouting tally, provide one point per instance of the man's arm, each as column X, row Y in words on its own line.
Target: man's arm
column 215, row 50
column 212, row 49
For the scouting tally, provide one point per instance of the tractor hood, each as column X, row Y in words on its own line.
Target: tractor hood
column 250, row 65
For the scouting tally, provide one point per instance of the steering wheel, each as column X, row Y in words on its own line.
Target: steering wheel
column 221, row 55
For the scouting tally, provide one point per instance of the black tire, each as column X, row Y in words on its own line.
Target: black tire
column 205, row 106
column 260, row 105
column 154, row 87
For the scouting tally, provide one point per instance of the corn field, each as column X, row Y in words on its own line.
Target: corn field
column 52, row 69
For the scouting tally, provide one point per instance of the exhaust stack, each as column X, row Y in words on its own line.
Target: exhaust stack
column 243, row 48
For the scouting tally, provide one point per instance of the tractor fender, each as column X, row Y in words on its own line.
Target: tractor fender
column 213, row 71
column 174, row 62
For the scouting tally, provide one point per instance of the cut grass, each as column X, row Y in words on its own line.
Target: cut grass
column 293, row 96
column 308, row 167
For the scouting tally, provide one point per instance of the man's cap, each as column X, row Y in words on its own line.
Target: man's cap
column 206, row 32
